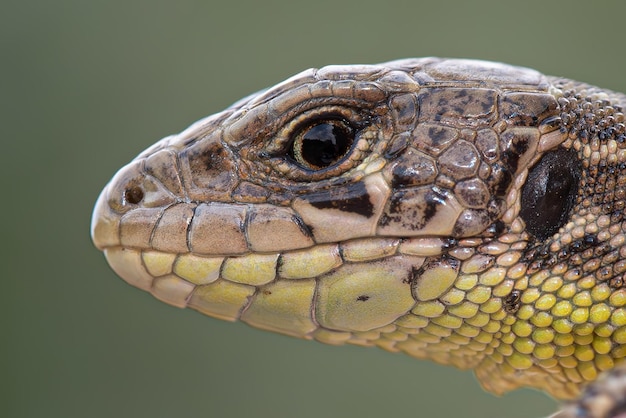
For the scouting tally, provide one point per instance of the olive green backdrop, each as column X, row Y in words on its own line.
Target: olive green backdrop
column 86, row 85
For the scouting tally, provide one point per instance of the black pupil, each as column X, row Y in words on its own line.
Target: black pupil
column 324, row 144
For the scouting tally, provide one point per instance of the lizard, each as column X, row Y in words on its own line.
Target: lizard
column 462, row 211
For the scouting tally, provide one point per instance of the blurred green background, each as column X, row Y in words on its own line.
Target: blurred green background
column 86, row 85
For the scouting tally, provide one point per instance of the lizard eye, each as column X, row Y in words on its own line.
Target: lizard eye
column 550, row 192
column 321, row 144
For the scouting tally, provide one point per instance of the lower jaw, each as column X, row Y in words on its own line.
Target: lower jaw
column 313, row 294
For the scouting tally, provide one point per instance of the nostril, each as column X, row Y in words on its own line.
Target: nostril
column 131, row 189
column 133, row 195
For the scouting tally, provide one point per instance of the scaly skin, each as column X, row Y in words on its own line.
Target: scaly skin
column 471, row 213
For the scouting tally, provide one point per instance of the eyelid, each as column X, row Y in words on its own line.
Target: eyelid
column 283, row 168
column 281, row 142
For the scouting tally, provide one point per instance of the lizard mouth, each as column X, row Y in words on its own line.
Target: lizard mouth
column 296, row 293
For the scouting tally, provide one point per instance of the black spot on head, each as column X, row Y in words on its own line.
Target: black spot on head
column 402, row 176
column 498, row 228
column 519, row 146
column 412, row 208
column 511, row 303
column 550, row 192
column 590, row 240
column 500, row 180
column 433, row 201
column 352, row 198
column 362, row 298
column 486, row 105
column 459, row 109
column 438, row 136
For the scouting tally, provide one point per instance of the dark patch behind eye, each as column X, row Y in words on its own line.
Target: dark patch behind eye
column 550, row 192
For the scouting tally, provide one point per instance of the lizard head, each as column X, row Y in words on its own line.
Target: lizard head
column 449, row 209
